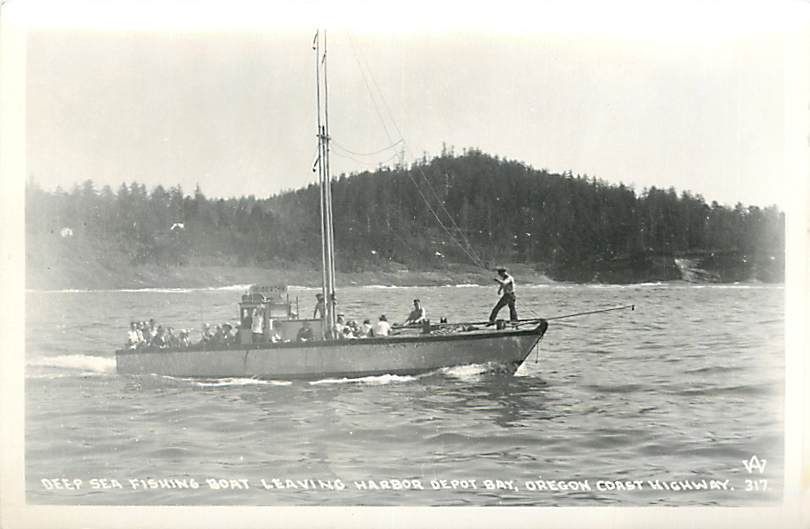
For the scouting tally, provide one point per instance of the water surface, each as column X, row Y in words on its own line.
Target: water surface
column 684, row 389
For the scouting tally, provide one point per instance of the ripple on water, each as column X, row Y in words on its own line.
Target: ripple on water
column 650, row 393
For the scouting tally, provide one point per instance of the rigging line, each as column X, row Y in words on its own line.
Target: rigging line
column 370, row 91
column 358, row 53
column 374, row 81
column 430, row 208
column 365, row 162
column 479, row 261
column 341, row 147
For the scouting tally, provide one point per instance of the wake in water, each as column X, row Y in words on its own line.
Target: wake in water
column 229, row 382
column 78, row 362
column 469, row 372
column 376, row 380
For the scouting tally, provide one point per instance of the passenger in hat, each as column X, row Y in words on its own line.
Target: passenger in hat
column 506, row 289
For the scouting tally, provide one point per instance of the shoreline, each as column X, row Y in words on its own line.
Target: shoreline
column 95, row 276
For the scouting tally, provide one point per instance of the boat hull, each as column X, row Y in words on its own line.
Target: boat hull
column 344, row 358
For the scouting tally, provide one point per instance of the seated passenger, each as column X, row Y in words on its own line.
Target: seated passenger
column 417, row 315
column 348, row 334
column 160, row 338
column 381, row 328
column 227, row 337
column 170, row 338
column 339, row 325
column 152, row 329
column 218, row 335
column 206, row 334
column 133, row 338
column 142, row 334
column 184, row 340
column 365, row 329
column 304, row 333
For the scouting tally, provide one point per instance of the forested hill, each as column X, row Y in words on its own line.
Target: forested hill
column 450, row 210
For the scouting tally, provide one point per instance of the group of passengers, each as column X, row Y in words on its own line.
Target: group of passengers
column 351, row 329
column 348, row 330
column 150, row 334
column 225, row 334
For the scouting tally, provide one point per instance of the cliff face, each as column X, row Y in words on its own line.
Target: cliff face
column 718, row 268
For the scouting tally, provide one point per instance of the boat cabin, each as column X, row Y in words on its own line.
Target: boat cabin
column 280, row 320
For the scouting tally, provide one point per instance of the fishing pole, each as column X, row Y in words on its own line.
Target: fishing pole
column 623, row 307
column 527, row 320
column 575, row 314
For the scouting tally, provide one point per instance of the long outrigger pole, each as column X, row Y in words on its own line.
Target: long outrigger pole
column 575, row 314
column 537, row 320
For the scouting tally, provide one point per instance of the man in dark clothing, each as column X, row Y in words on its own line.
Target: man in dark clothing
column 320, row 307
column 304, row 333
column 507, row 291
column 417, row 315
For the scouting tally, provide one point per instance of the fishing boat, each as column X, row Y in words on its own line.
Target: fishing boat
column 275, row 349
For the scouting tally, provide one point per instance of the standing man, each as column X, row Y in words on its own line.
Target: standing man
column 257, row 325
column 507, row 291
column 320, row 307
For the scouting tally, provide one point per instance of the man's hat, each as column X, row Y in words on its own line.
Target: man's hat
column 500, row 269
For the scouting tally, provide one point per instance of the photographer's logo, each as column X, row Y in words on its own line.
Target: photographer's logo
column 755, row 463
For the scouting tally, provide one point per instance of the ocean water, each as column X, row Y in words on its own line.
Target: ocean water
column 679, row 402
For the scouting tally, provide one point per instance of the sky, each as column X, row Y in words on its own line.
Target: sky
column 693, row 96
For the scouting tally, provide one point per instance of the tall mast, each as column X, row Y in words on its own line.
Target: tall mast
column 316, row 45
column 325, row 181
column 330, row 231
